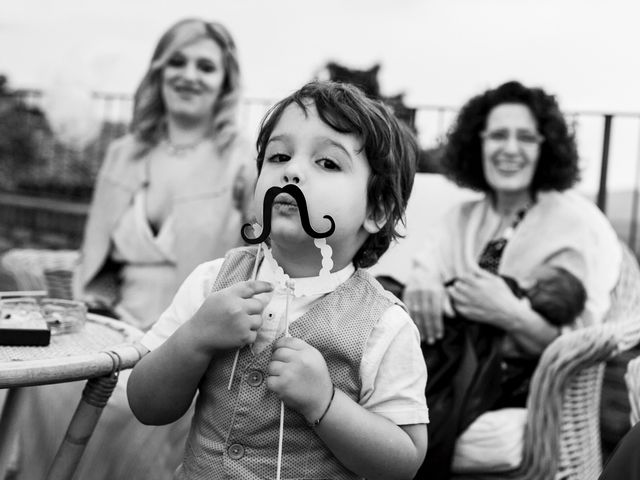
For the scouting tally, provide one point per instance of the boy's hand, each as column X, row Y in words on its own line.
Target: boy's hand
column 231, row 317
column 299, row 375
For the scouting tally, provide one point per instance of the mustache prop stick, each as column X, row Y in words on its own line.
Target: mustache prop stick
column 327, row 263
column 298, row 196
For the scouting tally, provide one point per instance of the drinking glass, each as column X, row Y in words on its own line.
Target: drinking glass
column 63, row 316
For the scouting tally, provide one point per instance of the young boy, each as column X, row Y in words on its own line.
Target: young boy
column 351, row 373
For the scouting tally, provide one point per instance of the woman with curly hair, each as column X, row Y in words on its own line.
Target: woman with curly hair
column 169, row 196
column 513, row 144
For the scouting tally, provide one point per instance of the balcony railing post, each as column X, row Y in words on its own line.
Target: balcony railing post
column 606, row 138
column 633, row 227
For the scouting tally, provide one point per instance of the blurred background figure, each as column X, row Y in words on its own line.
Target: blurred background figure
column 513, row 144
column 170, row 195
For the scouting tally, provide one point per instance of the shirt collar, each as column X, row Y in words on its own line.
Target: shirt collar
column 270, row 271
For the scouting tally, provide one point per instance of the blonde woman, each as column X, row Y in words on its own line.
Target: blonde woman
column 169, row 196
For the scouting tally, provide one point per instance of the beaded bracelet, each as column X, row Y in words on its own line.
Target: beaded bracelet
column 315, row 423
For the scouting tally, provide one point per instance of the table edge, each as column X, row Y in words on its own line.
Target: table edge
column 57, row 370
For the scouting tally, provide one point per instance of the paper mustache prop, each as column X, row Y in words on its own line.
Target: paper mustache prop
column 298, row 196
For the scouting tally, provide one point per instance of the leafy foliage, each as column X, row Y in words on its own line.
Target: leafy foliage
column 21, row 130
column 34, row 161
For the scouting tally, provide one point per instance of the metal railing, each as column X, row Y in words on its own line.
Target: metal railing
column 609, row 149
column 608, row 143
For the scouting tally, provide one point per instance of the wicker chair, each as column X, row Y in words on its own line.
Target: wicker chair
column 40, row 269
column 562, row 434
column 632, row 379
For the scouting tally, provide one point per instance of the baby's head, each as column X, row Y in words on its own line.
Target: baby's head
column 390, row 149
column 556, row 294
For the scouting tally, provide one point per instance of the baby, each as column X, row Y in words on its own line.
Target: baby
column 475, row 367
column 554, row 292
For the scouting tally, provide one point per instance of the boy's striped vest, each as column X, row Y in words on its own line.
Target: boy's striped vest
column 234, row 433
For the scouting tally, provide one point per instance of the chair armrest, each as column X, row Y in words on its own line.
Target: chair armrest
column 563, row 407
column 632, row 379
column 562, row 436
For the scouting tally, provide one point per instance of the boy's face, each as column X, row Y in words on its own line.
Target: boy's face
column 330, row 169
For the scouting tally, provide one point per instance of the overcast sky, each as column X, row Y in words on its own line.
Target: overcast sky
column 436, row 51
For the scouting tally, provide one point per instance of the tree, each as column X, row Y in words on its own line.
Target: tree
column 22, row 128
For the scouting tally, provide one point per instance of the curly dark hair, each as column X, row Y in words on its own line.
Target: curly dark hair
column 390, row 148
column 557, row 167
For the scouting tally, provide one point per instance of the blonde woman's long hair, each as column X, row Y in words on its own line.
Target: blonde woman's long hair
column 149, row 112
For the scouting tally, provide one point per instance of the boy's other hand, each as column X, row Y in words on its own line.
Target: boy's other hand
column 231, row 317
column 299, row 375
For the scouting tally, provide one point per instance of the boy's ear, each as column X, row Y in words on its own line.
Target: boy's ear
column 374, row 222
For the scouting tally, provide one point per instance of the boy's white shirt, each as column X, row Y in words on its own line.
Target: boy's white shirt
column 392, row 371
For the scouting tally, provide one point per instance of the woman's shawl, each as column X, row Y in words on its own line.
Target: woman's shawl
column 562, row 229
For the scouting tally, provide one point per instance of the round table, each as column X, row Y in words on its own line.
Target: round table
column 97, row 352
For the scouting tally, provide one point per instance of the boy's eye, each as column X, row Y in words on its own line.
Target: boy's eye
column 278, row 158
column 328, row 164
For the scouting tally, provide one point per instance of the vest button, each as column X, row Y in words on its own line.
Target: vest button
column 235, row 451
column 255, row 378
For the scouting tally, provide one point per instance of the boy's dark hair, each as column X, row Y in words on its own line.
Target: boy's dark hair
column 559, row 298
column 390, row 148
column 557, row 167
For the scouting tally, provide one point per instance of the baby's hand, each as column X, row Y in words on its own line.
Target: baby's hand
column 299, row 375
column 231, row 317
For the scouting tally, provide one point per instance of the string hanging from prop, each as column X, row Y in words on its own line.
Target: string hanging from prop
column 290, row 287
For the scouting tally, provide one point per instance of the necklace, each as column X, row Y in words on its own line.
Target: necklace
column 180, row 150
column 491, row 254
column 508, row 233
column 508, row 222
